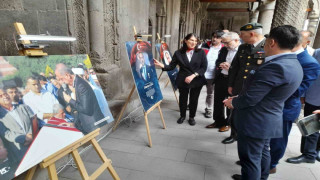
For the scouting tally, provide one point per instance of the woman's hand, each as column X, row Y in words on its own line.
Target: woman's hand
column 189, row 78
column 157, row 63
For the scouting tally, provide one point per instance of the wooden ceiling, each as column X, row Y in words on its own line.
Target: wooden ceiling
column 229, row 0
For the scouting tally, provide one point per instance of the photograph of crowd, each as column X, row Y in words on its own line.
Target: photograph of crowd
column 59, row 90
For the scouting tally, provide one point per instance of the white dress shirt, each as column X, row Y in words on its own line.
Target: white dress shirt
column 40, row 104
column 229, row 58
column 189, row 54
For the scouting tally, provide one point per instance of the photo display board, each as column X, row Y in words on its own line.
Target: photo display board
column 166, row 58
column 144, row 73
column 44, row 100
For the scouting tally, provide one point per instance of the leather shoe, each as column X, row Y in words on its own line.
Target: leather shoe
column 273, row 170
column 236, row 177
column 213, row 125
column 318, row 156
column 180, row 120
column 238, row 163
column 192, row 122
column 228, row 140
column 300, row 159
column 224, row 129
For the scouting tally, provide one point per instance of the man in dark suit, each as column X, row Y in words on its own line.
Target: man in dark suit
column 89, row 116
column 258, row 110
column 231, row 43
column 308, row 148
column 292, row 106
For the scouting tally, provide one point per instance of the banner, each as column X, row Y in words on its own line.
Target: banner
column 144, row 73
column 69, row 97
column 166, row 58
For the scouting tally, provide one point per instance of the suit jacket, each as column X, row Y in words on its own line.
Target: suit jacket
column 12, row 132
column 87, row 107
column 247, row 58
column 259, row 110
column 221, row 58
column 197, row 64
column 312, row 94
column 311, row 70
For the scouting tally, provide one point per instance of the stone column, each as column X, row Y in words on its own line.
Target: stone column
column 266, row 11
column 254, row 14
column 291, row 12
column 172, row 23
column 96, row 29
column 314, row 23
column 316, row 42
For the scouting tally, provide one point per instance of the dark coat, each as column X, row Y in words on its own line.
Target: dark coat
column 311, row 70
column 259, row 109
column 197, row 64
column 246, row 59
column 221, row 58
column 87, row 107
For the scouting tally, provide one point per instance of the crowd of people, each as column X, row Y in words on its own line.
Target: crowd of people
column 256, row 85
column 68, row 99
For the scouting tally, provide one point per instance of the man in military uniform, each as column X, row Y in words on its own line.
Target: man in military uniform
column 249, row 57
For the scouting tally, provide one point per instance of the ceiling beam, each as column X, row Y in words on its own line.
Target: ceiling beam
column 229, row 0
column 228, row 10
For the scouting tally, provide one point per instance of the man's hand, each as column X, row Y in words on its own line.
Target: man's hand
column 28, row 139
column 224, row 65
column 228, row 102
column 189, row 78
column 68, row 109
column 316, row 112
column 66, row 97
column 230, row 90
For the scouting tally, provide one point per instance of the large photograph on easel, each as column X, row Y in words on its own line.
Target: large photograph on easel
column 144, row 73
column 166, row 58
column 59, row 92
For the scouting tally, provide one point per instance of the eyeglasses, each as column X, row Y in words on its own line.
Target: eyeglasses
column 3, row 95
column 227, row 43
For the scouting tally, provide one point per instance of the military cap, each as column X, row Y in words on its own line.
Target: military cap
column 250, row 26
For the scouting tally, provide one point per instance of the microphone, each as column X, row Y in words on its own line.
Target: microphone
column 64, row 86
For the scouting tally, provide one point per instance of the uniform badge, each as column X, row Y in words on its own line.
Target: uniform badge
column 259, row 61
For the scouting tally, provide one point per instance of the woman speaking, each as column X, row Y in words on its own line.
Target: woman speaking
column 190, row 79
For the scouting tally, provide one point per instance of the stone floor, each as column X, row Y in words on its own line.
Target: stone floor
column 180, row 152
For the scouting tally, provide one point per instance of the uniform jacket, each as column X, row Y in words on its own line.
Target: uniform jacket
column 244, row 61
column 311, row 70
column 259, row 109
column 87, row 107
column 197, row 64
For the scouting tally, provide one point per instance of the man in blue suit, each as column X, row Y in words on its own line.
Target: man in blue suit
column 258, row 110
column 292, row 106
column 312, row 103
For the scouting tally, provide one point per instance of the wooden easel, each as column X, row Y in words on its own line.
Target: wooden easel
column 175, row 94
column 49, row 162
column 27, row 52
column 157, row 105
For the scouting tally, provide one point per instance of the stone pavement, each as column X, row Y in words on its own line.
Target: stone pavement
column 180, row 152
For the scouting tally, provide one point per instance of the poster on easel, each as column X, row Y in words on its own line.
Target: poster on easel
column 166, row 58
column 42, row 100
column 144, row 73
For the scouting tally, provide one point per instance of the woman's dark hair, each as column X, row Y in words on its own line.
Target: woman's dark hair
column 184, row 47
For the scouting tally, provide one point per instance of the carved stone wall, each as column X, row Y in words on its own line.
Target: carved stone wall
column 291, row 12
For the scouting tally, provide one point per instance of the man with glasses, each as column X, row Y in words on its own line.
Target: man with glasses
column 231, row 43
column 211, row 48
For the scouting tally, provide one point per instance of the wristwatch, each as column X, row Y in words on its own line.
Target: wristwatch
column 196, row 74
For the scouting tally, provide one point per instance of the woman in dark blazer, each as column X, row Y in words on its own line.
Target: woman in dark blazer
column 193, row 64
